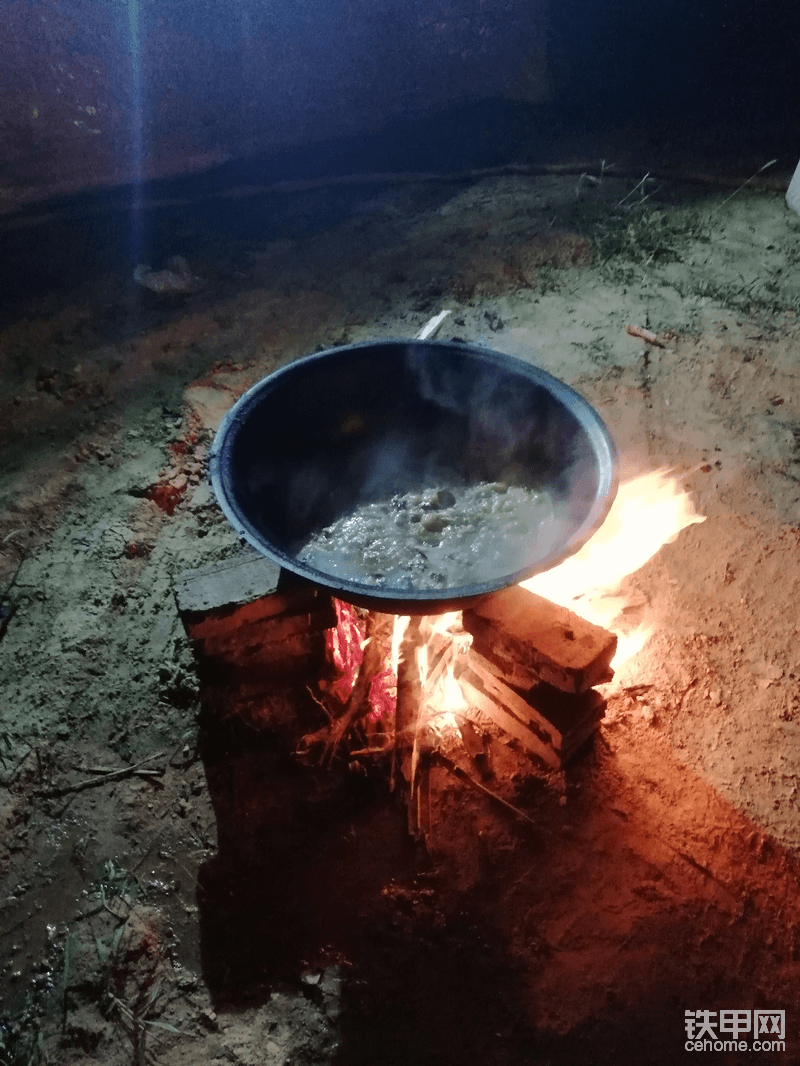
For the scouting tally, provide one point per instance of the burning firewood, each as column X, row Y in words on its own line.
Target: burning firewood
column 377, row 644
column 409, row 696
column 412, row 743
column 475, row 745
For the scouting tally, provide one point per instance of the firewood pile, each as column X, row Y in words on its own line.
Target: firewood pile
column 513, row 662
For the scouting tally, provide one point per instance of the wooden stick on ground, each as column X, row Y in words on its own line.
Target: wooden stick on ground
column 115, row 775
column 644, row 335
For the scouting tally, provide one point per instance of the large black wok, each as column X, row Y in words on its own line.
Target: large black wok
column 364, row 422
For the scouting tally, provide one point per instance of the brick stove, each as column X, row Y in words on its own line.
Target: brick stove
column 524, row 664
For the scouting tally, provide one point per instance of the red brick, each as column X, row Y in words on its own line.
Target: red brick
column 243, row 625
column 528, row 636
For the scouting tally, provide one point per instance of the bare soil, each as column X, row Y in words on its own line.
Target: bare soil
column 219, row 903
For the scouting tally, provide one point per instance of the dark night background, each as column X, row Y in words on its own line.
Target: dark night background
column 196, row 95
column 200, row 82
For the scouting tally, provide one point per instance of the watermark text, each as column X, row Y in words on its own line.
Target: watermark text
column 735, row 1030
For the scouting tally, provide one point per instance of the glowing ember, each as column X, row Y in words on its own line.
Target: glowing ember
column 383, row 687
column 383, row 696
column 345, row 649
column 649, row 511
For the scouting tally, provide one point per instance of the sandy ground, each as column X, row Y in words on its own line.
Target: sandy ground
column 224, row 906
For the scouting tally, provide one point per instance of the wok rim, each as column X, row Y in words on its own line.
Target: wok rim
column 415, row 600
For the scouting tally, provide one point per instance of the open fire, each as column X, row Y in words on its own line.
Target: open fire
column 427, row 685
column 415, row 691
column 649, row 512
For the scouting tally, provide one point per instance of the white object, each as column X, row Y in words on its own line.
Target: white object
column 177, row 278
column 433, row 325
column 793, row 192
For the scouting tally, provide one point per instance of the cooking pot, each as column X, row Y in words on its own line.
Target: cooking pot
column 365, row 422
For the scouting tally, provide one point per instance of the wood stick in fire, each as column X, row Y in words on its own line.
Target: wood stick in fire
column 377, row 647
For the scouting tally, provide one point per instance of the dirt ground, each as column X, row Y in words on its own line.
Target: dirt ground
column 217, row 903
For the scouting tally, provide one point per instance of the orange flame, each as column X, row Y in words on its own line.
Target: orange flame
column 649, row 511
column 442, row 691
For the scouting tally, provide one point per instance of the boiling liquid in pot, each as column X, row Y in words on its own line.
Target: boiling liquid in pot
column 437, row 539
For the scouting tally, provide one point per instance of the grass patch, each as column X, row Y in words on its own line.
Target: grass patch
column 646, row 235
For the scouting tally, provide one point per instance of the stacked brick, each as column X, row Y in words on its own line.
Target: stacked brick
column 532, row 670
column 258, row 631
